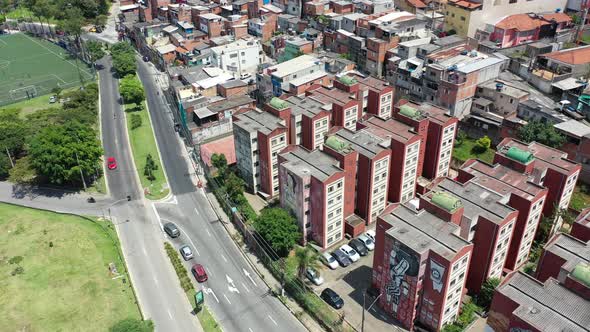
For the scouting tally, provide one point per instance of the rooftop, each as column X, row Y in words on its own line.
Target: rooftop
column 307, row 106
column 432, row 112
column 257, row 120
column 308, row 78
column 572, row 56
column 210, row 16
column 464, row 4
column 549, row 306
column 545, row 157
column 422, row 231
column 230, row 103
column 361, row 141
column 507, row 88
column 310, row 163
column 390, row 129
column 573, row 128
column 572, row 250
column 294, row 65
column 478, row 65
column 527, row 22
column 236, row 46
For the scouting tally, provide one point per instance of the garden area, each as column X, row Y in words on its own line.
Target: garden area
column 59, row 272
column 469, row 148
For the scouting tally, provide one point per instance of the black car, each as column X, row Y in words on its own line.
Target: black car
column 171, row 230
column 359, row 246
column 342, row 258
column 332, row 298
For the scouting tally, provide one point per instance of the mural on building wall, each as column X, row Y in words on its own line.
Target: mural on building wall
column 402, row 263
column 437, row 273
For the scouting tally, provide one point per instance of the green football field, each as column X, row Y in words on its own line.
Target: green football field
column 31, row 67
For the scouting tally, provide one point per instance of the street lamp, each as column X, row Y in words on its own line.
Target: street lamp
column 369, row 308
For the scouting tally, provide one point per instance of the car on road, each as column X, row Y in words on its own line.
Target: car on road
column 359, row 246
column 186, row 252
column 199, row 273
column 329, row 260
column 111, row 163
column 314, row 276
column 342, row 258
column 371, row 234
column 171, row 230
column 332, row 298
column 351, row 253
column 367, row 241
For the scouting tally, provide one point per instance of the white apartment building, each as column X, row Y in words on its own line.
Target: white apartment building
column 501, row 250
column 446, row 149
column 334, row 212
column 457, row 280
column 240, row 57
column 409, row 173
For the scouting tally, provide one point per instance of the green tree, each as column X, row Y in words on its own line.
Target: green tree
column 61, row 152
column 57, row 91
column 219, row 161
column 234, row 185
column 543, row 133
column 482, row 144
column 4, row 165
column 486, row 294
column 279, row 229
column 121, row 47
column 132, row 90
column 13, row 135
column 22, row 172
column 306, row 258
column 135, row 121
column 133, row 325
column 95, row 50
column 124, row 64
column 150, row 167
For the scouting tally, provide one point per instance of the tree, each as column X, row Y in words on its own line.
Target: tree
column 121, row 47
column 132, row 90
column 13, row 135
column 150, row 167
column 482, row 144
column 4, row 165
column 22, row 172
column 234, row 185
column 95, row 50
column 219, row 161
column 135, row 121
column 486, row 294
column 57, row 91
column 133, row 325
column 306, row 258
column 279, row 229
column 542, row 132
column 61, row 153
column 124, row 64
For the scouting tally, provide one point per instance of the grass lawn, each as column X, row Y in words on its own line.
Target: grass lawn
column 143, row 143
column 66, row 287
column 465, row 152
column 208, row 322
column 580, row 199
column 33, row 105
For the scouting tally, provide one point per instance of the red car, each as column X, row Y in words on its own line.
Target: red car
column 111, row 163
column 199, row 273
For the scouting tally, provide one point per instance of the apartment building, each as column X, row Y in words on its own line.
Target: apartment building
column 581, row 226
column 366, row 161
column 420, row 266
column 377, row 96
column 484, row 219
column 258, row 138
column 240, row 57
column 211, row 24
column 438, row 130
column 346, row 106
column 275, row 80
column 312, row 186
column 407, row 157
column 521, row 194
column 548, row 167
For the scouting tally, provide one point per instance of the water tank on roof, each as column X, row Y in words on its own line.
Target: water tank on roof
column 522, row 156
column 464, row 52
column 446, row 201
column 499, row 86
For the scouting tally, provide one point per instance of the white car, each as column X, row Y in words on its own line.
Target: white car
column 351, row 253
column 329, row 260
column 367, row 241
column 371, row 234
column 314, row 276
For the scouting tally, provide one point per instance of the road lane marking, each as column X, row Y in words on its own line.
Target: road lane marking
column 226, row 299
column 210, row 291
column 249, row 277
column 249, row 329
column 246, row 287
column 170, row 314
column 158, row 216
column 225, row 259
column 156, row 280
column 197, row 211
column 273, row 320
column 144, row 251
column 191, row 241
column 208, row 233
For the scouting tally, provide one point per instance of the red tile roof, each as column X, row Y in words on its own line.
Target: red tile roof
column 465, row 4
column 526, row 22
column 417, row 3
column 572, row 56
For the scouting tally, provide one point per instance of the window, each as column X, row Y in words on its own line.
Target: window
column 512, row 1
column 462, row 18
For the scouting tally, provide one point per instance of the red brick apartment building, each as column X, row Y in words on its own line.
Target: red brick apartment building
column 346, row 107
column 420, row 265
column 581, row 227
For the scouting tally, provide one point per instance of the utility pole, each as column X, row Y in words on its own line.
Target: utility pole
column 369, row 308
column 81, row 173
column 9, row 157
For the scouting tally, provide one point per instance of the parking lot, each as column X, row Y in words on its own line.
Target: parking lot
column 350, row 282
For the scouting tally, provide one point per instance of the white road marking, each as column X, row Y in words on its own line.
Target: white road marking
column 158, row 216
column 225, row 259
column 273, row 320
column 117, row 277
column 155, row 280
column 170, row 314
column 209, row 233
column 226, row 299
column 246, row 287
column 189, row 239
column 249, row 277
column 210, row 291
column 197, row 211
column 249, row 329
column 144, row 251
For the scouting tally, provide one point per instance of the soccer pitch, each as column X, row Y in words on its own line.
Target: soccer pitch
column 31, row 67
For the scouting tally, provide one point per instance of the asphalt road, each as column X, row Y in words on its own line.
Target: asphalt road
column 234, row 293
column 142, row 241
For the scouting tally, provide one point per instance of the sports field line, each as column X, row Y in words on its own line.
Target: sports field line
column 5, row 43
column 45, row 47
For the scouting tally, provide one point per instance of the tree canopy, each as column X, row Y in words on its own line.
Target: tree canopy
column 279, row 229
column 123, row 59
column 542, row 132
column 131, row 90
column 219, row 161
column 95, row 49
column 486, row 294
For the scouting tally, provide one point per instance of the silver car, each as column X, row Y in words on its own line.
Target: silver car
column 314, row 276
column 186, row 252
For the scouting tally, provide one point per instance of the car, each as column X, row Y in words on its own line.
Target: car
column 367, row 241
column 342, row 258
column 52, row 99
column 332, row 298
column 245, row 75
column 371, row 234
column 351, row 253
column 186, row 252
column 314, row 276
column 111, row 163
column 146, row 58
column 171, row 230
column 357, row 245
column 329, row 260
column 199, row 272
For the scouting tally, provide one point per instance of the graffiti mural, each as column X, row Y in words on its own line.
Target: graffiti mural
column 437, row 273
column 402, row 263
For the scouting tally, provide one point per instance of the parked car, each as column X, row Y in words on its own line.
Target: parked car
column 367, row 241
column 371, row 234
column 199, row 273
column 351, row 253
column 111, row 163
column 186, row 252
column 52, row 99
column 329, row 260
column 342, row 258
column 332, row 298
column 171, row 230
column 359, row 246
column 314, row 276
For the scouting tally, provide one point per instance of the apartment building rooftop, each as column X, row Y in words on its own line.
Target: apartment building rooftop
column 314, row 163
column 506, row 88
column 474, row 198
column 422, row 231
column 210, row 16
column 545, row 157
column 331, row 95
column 572, row 56
column 574, row 251
column 478, row 65
column 425, row 110
column 256, row 120
column 389, row 129
column 391, row 17
column 307, row 106
column 361, row 141
column 292, row 66
column 236, row 46
column 547, row 307
column 501, row 179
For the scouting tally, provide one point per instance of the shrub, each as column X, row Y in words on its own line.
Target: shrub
column 135, row 121
column 15, row 260
column 482, row 144
column 17, row 270
column 133, row 325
